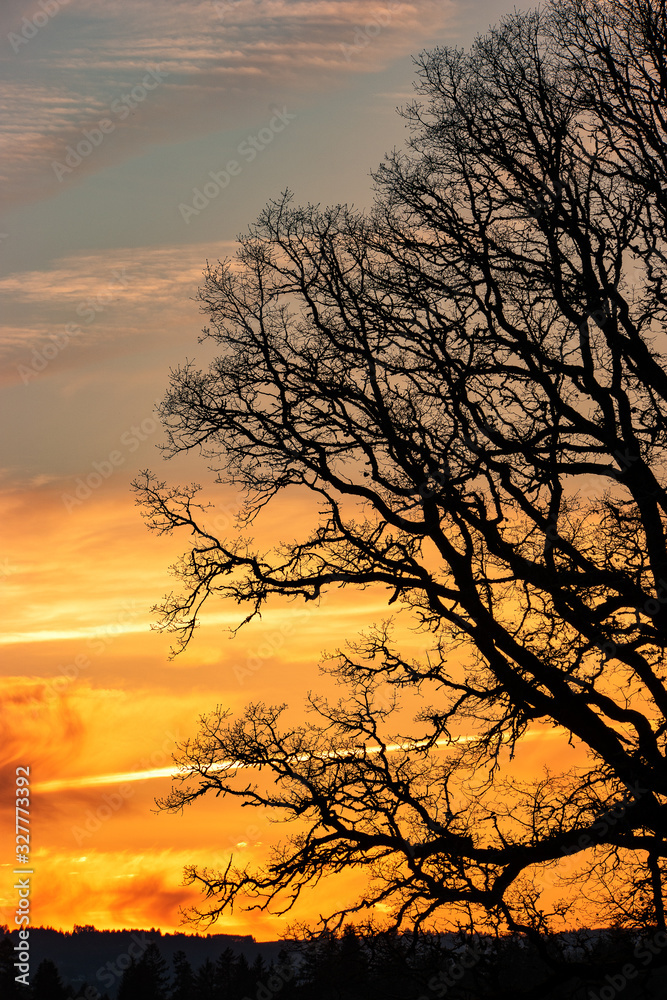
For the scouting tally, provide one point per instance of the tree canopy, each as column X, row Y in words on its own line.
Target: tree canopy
column 471, row 379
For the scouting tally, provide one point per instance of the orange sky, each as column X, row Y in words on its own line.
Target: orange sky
column 92, row 695
column 97, row 277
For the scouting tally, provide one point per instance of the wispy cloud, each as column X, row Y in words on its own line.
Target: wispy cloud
column 24, row 713
column 129, row 298
column 151, row 774
column 222, row 63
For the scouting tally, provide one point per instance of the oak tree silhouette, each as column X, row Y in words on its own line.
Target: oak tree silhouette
column 471, row 379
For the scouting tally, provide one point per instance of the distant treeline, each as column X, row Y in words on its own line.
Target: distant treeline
column 585, row 965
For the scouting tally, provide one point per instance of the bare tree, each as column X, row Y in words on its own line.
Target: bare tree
column 477, row 366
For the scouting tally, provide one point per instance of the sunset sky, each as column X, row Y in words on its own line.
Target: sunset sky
column 102, row 251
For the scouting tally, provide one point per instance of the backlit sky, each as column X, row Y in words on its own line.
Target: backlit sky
column 100, row 260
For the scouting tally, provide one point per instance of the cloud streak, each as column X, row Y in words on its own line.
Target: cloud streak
column 231, row 765
column 219, row 72
column 129, row 298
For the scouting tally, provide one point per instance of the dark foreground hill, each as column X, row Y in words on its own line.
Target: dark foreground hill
column 101, row 958
column 149, row 965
